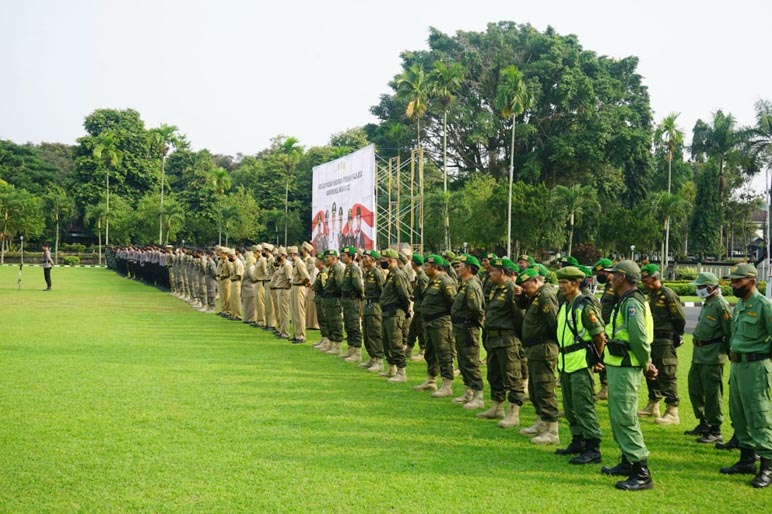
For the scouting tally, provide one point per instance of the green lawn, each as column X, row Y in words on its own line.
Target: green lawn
column 116, row 397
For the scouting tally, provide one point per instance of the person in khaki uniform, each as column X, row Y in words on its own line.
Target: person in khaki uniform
column 270, row 267
column 300, row 282
column 306, row 252
column 224, row 276
column 237, row 274
column 248, row 290
column 261, row 275
column 275, row 303
column 283, row 284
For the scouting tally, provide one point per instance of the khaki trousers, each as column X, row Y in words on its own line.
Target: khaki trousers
column 260, row 303
column 298, row 307
column 283, row 302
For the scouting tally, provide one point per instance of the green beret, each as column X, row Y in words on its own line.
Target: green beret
column 540, row 268
column 602, row 264
column 418, row 259
column 650, row 270
column 527, row 258
column 501, row 263
column 705, row 279
column 373, row 253
column 527, row 274
column 351, row 250
column 490, row 256
column 332, row 252
column 572, row 261
column 434, row 259
column 389, row 253
column 626, row 267
column 586, row 270
column 570, row 273
column 320, row 256
column 465, row 258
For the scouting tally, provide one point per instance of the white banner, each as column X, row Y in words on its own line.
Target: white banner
column 343, row 202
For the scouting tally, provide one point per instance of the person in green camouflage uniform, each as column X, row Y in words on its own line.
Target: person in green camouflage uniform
column 416, row 329
column 751, row 376
column 321, row 314
column 394, row 301
column 332, row 295
column 711, row 352
column 541, row 349
column 373, row 318
column 467, row 315
column 352, row 292
column 503, row 333
column 669, row 323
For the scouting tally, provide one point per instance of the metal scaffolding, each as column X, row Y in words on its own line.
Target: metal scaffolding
column 400, row 219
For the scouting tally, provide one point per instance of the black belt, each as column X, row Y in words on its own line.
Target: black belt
column 495, row 332
column 531, row 343
column 301, row 284
column 698, row 343
column 283, row 288
column 268, row 280
column 748, row 357
column 663, row 335
column 431, row 317
column 573, row 348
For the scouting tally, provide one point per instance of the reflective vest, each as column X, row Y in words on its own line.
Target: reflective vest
column 573, row 343
column 617, row 331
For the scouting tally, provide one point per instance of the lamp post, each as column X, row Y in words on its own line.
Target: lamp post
column 632, row 252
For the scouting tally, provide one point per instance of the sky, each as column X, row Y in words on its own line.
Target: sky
column 233, row 74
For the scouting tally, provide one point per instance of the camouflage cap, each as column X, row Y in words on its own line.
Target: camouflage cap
column 602, row 264
column 389, row 253
column 418, row 259
column 743, row 270
column 372, row 253
column 650, row 270
column 570, row 273
column 332, row 252
column 626, row 267
column 705, row 279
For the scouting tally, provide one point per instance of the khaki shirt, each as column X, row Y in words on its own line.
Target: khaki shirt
column 300, row 275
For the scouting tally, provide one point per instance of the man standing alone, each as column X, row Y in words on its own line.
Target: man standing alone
column 47, row 265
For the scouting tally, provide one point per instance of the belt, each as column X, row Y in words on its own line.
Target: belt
column 663, row 335
column 268, row 280
column 573, row 348
column 495, row 332
column 748, row 357
column 700, row 344
column 531, row 343
column 431, row 317
column 301, row 284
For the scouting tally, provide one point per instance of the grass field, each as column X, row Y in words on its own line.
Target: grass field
column 116, row 397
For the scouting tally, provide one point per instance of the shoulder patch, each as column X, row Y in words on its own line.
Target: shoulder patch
column 631, row 311
column 752, row 313
column 726, row 315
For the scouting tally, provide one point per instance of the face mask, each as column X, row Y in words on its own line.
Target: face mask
column 385, row 264
column 602, row 279
column 740, row 292
column 703, row 293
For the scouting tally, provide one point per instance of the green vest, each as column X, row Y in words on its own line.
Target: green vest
column 617, row 330
column 576, row 357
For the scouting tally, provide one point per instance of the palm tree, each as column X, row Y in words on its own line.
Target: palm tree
column 108, row 154
column 759, row 140
column 174, row 215
column 672, row 138
column 512, row 99
column 10, row 202
column 220, row 180
column 162, row 140
column 61, row 208
column 290, row 152
column 444, row 81
column 413, row 88
column 574, row 199
column 96, row 214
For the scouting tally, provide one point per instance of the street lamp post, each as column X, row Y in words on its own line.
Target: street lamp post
column 632, row 252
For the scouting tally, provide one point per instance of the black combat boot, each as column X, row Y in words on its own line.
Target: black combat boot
column 712, row 435
column 576, row 447
column 764, row 476
column 698, row 430
column 590, row 454
column 623, row 468
column 746, row 465
column 639, row 479
column 731, row 444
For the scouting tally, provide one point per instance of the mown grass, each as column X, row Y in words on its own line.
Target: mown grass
column 116, row 397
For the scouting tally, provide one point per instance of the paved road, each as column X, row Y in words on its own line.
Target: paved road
column 692, row 313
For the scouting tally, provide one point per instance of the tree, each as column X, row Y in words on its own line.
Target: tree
column 574, row 200
column 96, row 215
column 672, row 138
column 220, row 180
column 163, row 139
column 413, row 89
column 512, row 99
column 108, row 154
column 290, row 152
column 444, row 82
column 21, row 214
column 61, row 208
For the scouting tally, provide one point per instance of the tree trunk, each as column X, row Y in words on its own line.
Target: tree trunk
column 511, row 177
column 161, row 213
column 107, row 214
column 446, row 198
column 571, row 235
column 99, row 240
column 56, row 243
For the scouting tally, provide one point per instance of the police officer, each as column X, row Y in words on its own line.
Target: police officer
column 711, row 347
column 669, row 322
column 373, row 318
column 394, row 301
column 503, row 332
column 282, row 285
column 467, row 315
column 435, row 311
column 300, row 280
column 626, row 356
column 581, row 337
column 352, row 292
column 751, row 376
column 541, row 349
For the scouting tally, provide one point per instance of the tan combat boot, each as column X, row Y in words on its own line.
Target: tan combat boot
column 349, row 351
column 334, row 348
column 670, row 417
column 322, row 342
column 376, row 366
column 355, row 356
column 536, row 429
column 388, row 372
column 366, row 364
column 550, row 434
column 495, row 412
column 429, row 385
column 513, row 418
column 651, row 410
column 419, row 356
column 399, row 377
column 445, row 391
column 476, row 402
column 465, row 397
column 326, row 344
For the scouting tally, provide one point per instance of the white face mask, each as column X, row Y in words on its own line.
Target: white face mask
column 703, row 293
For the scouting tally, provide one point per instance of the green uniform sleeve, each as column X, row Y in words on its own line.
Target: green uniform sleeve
column 635, row 319
column 356, row 279
column 549, row 306
column 677, row 313
column 474, row 299
column 592, row 319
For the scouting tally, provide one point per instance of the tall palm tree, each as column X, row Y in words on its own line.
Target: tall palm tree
column 109, row 155
column 290, row 153
column 512, row 99
column 672, row 138
column 574, row 199
column 759, row 140
column 413, row 88
column 163, row 139
column 444, row 82
column 96, row 214
column 61, row 208
column 220, row 180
